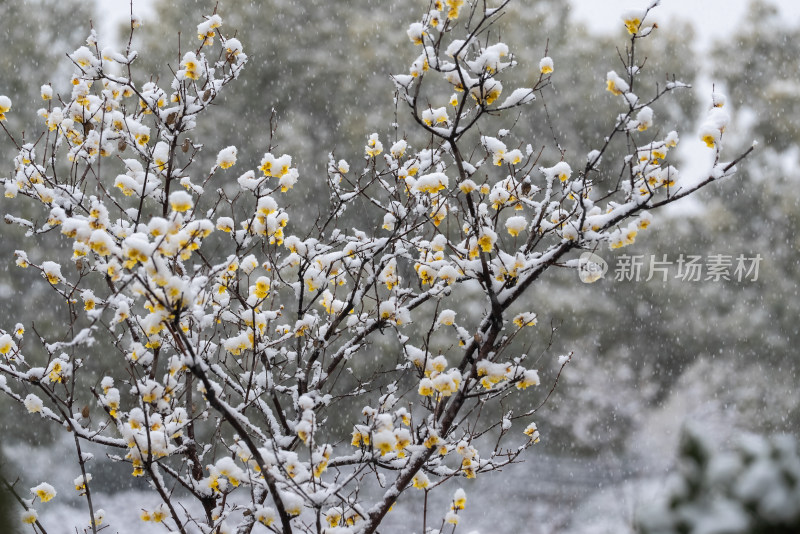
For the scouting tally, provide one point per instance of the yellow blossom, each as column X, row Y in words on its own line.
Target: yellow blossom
column 44, row 491
column 632, row 24
column 453, row 7
column 420, row 481
column 29, row 516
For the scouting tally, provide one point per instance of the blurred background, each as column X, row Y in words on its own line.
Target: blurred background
column 650, row 356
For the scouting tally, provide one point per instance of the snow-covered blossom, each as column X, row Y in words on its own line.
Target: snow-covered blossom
column 453, row 8
column 495, row 147
column 709, row 135
column 52, row 271
column 546, row 65
column 420, row 481
column 459, row 499
column 180, row 201
column 447, row 317
column 81, row 481
column 487, row 92
column 374, row 146
column 44, row 491
column 33, row 403
column 431, row 183
column 530, row 377
column 415, row 32
column 5, row 106
column 633, row 20
column 205, row 30
column 516, row 224
column 265, row 515
column 487, row 239
column 615, row 84
column 532, row 432
column 7, row 344
column 399, row 149
column 190, row 66
column 435, row 116
column 644, row 118
column 713, row 127
column 29, row 516
column 525, row 319
column 560, row 170
column 227, row 157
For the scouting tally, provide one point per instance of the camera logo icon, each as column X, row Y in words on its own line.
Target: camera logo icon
column 591, row 268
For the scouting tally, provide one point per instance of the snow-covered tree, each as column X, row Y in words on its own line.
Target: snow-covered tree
column 751, row 488
column 239, row 343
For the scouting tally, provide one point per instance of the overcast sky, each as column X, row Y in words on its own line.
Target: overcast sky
column 713, row 18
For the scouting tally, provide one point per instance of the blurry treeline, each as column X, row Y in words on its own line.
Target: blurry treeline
column 727, row 347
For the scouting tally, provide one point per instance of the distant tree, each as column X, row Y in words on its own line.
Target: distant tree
column 6, row 509
column 41, row 42
column 753, row 488
column 240, row 338
column 326, row 85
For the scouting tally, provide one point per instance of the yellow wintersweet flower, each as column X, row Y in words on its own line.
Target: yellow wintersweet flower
column 190, row 66
column 525, row 319
column 710, row 135
column 420, row 481
column 529, row 378
column 459, row 499
column 56, row 368
column 453, row 7
column 486, row 240
column 265, row 516
column 6, row 344
column 80, row 482
column 180, row 201
column 426, row 387
column 29, row 516
column 142, row 138
column 546, row 65
column 374, row 146
column 632, row 20
column 227, row 157
column 431, row 441
column 44, row 491
column 262, row 287
column 532, row 432
column 360, row 437
column 5, row 106
column 615, row 84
